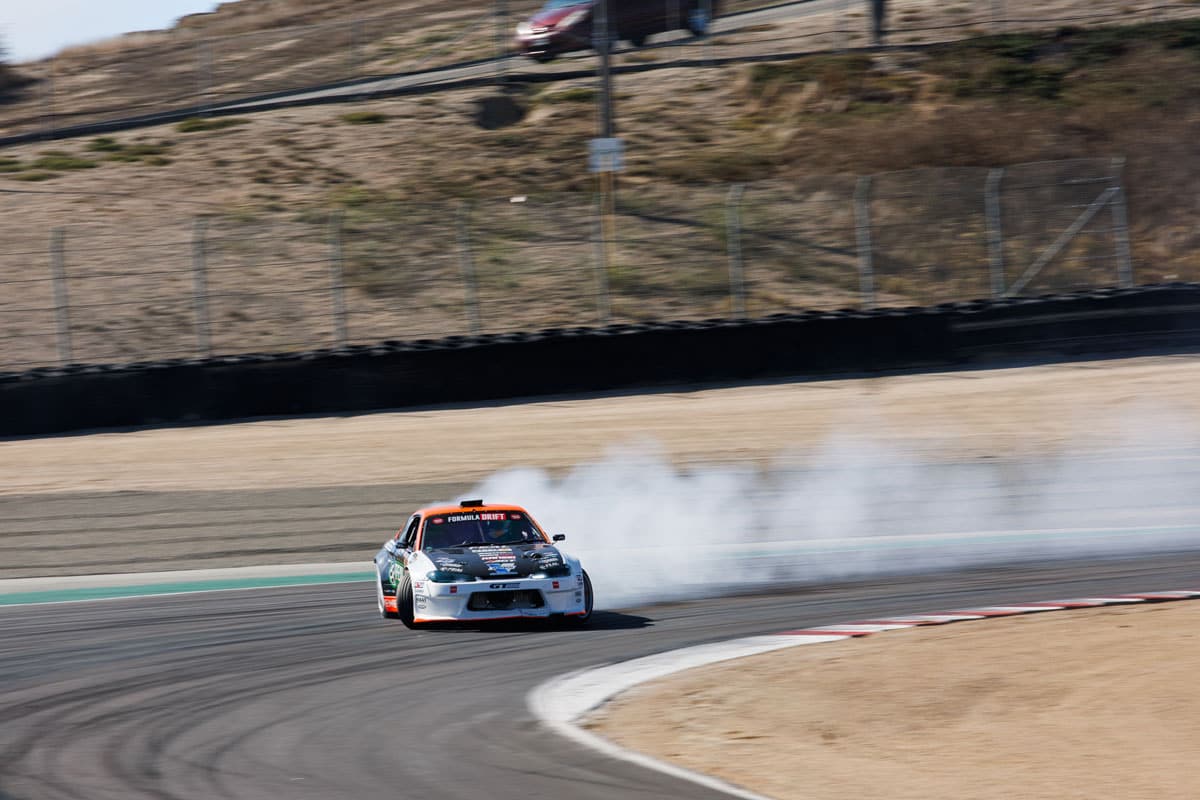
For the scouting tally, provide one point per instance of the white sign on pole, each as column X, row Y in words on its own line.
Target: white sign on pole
column 606, row 155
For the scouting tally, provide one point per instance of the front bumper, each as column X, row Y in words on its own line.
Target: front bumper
column 498, row 599
column 549, row 43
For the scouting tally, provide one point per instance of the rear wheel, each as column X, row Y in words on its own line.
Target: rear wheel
column 404, row 602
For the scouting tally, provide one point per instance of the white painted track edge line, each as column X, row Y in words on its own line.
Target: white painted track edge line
column 608, row 748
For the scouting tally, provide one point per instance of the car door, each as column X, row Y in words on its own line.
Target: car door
column 406, row 543
column 634, row 18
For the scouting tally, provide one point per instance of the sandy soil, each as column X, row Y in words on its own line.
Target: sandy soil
column 1074, row 409
column 1080, row 704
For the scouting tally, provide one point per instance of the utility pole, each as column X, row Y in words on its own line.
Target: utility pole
column 605, row 149
column 602, row 41
column 878, row 21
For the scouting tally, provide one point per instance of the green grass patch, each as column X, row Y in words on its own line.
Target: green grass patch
column 104, row 144
column 35, row 176
column 200, row 124
column 363, row 118
column 58, row 161
column 146, row 153
column 575, row 94
column 832, row 71
column 1047, row 65
column 839, row 80
column 11, row 165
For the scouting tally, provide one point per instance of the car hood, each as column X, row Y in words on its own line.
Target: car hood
column 496, row 561
column 551, row 17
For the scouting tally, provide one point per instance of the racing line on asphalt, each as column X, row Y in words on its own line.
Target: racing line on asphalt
column 304, row 691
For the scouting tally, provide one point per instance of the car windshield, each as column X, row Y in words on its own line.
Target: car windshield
column 551, row 5
column 480, row 528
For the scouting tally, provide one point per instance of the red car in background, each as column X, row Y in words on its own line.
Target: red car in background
column 562, row 26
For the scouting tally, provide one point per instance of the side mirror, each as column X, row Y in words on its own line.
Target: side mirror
column 390, row 545
column 560, row 537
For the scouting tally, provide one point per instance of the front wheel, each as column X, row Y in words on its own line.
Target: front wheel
column 404, row 602
column 580, row 620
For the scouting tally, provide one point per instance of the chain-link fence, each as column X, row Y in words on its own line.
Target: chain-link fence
column 219, row 284
column 184, row 70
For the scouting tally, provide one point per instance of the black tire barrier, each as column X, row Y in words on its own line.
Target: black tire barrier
column 398, row 374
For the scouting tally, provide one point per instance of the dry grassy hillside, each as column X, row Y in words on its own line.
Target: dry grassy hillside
column 395, row 170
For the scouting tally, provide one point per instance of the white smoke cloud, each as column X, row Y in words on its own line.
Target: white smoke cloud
column 647, row 530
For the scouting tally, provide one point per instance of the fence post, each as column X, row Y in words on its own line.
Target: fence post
column 51, row 111
column 61, row 303
column 841, row 20
column 502, row 48
column 337, row 287
column 877, row 13
column 601, row 263
column 470, row 291
column 1121, row 227
column 200, row 288
column 733, row 235
column 862, row 225
column 708, row 37
column 353, row 58
column 999, row 16
column 995, row 233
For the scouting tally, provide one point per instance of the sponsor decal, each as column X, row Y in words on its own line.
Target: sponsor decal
column 493, row 516
column 463, row 517
column 499, row 560
column 504, row 586
column 437, row 520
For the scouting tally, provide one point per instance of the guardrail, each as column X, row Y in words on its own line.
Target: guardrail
column 576, row 360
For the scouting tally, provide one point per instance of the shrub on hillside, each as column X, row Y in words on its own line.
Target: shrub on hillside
column 11, row 81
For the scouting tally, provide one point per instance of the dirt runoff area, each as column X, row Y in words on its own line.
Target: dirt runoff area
column 1101, row 703
column 1075, row 410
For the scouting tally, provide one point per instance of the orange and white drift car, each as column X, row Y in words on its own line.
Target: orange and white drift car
column 477, row 561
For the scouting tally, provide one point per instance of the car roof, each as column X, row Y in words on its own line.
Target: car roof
column 456, row 508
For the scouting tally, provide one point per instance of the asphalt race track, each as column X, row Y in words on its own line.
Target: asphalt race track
column 306, row 693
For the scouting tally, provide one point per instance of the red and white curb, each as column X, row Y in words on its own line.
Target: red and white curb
column 562, row 702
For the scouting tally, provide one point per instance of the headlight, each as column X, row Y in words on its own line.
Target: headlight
column 440, row 576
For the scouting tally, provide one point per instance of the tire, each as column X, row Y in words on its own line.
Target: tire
column 589, row 600
column 383, row 612
column 638, row 40
column 543, row 58
column 404, row 601
column 697, row 23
